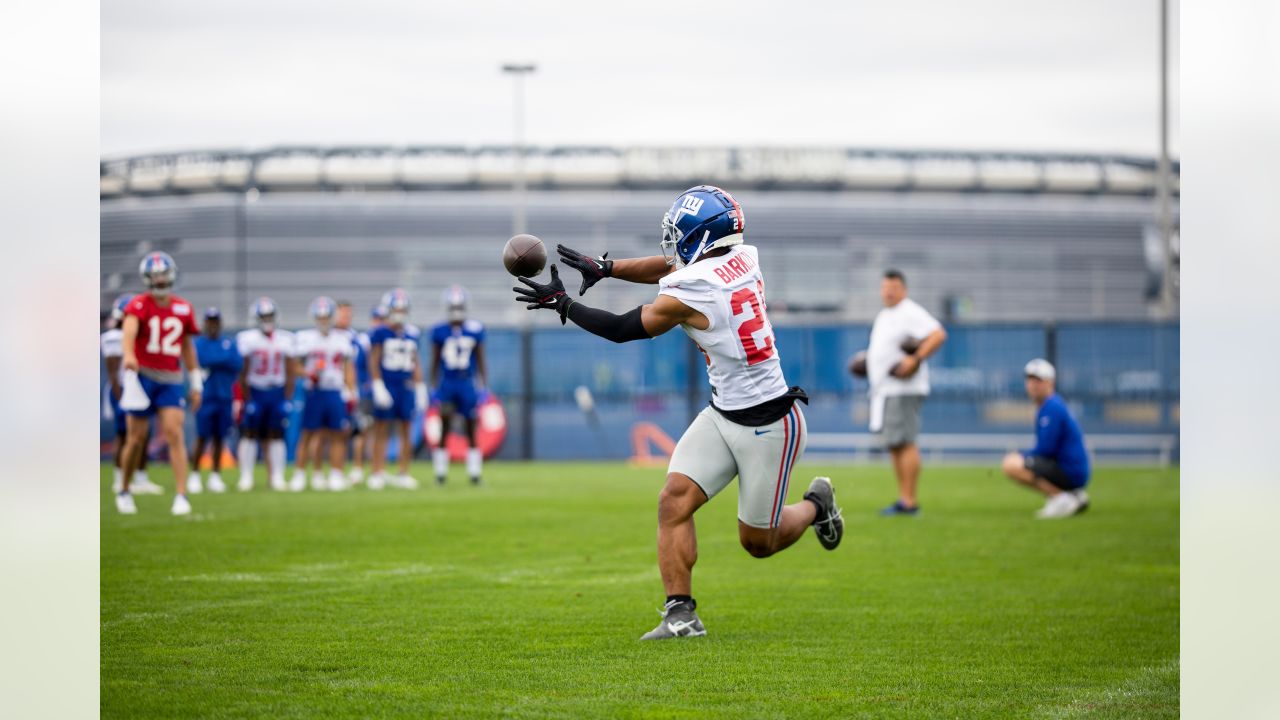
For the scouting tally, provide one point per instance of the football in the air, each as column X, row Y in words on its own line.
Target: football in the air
column 858, row 364
column 524, row 256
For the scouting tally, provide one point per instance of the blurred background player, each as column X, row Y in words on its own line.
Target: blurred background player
column 458, row 375
column 267, row 380
column 1058, row 466
column 710, row 284
column 326, row 355
column 395, row 376
column 112, row 352
column 158, row 327
column 900, row 382
column 362, row 418
column 220, row 362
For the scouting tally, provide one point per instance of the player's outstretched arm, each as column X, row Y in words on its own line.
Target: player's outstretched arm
column 641, row 323
column 646, row 270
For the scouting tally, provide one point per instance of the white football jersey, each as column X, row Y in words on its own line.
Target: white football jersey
column 325, row 357
column 742, row 359
column 112, row 344
column 266, row 355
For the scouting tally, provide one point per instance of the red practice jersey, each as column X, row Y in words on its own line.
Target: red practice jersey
column 160, row 333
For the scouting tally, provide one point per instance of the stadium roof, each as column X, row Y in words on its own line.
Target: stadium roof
column 432, row 167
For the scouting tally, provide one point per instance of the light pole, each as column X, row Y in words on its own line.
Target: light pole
column 1168, row 301
column 518, row 72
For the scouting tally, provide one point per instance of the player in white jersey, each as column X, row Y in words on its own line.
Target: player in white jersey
column 112, row 344
column 267, row 380
column 326, row 355
column 711, row 286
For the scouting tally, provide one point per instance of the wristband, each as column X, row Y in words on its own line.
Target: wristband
column 197, row 381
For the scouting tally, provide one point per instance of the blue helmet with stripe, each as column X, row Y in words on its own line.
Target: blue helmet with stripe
column 264, row 313
column 322, row 310
column 455, row 303
column 397, row 303
column 159, row 272
column 702, row 218
column 118, row 305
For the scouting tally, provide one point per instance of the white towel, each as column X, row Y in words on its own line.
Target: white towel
column 876, row 423
column 133, row 397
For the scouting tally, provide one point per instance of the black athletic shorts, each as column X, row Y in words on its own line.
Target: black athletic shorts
column 1048, row 469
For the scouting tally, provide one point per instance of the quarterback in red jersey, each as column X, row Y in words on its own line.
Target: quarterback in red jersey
column 158, row 331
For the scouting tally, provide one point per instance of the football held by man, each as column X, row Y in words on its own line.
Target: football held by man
column 156, row 343
column 326, row 353
column 710, row 284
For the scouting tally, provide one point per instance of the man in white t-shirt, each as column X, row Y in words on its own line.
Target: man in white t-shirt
column 902, row 337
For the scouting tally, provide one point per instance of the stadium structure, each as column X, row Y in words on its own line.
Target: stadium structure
column 1020, row 254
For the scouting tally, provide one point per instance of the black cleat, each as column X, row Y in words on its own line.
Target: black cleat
column 440, row 480
column 475, row 480
column 828, row 524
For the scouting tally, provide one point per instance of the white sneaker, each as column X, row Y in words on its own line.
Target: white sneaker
column 1083, row 498
column 142, row 485
column 356, row 476
column 193, row 484
column 124, row 504
column 318, row 482
column 215, row 484
column 376, row 481
column 245, row 484
column 298, row 482
column 278, row 484
column 1064, row 504
column 406, row 481
column 337, row 483
column 180, row 505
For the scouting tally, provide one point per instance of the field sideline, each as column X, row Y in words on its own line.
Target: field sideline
column 525, row 598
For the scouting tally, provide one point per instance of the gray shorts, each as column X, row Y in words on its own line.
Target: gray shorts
column 902, row 419
column 714, row 449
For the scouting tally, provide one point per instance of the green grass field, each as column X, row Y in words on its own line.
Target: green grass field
column 525, row 598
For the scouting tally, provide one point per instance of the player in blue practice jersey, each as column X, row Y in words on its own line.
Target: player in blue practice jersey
column 395, row 377
column 458, row 376
column 1058, row 466
column 220, row 361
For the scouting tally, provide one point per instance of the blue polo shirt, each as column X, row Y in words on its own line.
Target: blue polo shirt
column 1058, row 437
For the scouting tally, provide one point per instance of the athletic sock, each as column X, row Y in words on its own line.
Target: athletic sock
column 475, row 462
column 440, row 458
column 693, row 604
column 275, row 452
column 247, row 456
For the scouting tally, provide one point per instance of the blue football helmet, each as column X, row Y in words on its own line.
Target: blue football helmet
column 702, row 218
column 455, row 303
column 397, row 302
column 321, row 310
column 118, row 305
column 159, row 272
column 379, row 312
column 264, row 313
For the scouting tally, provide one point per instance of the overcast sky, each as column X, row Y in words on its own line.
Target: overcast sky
column 998, row 74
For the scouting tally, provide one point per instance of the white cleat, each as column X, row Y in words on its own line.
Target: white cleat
column 356, row 476
column 180, row 505
column 245, row 484
column 318, row 482
column 337, row 483
column 1083, row 498
column 142, row 485
column 216, row 485
column 193, row 484
column 298, row 482
column 124, row 504
column 279, row 485
column 117, row 484
column 377, row 481
column 1064, row 504
column 406, row 482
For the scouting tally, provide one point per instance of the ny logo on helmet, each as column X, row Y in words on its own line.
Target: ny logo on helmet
column 690, row 205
